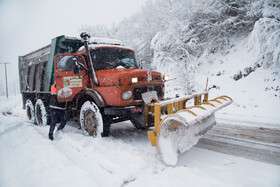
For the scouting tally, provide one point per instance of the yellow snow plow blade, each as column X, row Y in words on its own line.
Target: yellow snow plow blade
column 177, row 126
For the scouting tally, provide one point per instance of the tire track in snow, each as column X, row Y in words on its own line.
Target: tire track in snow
column 29, row 159
column 71, row 151
column 68, row 146
column 106, row 153
column 101, row 156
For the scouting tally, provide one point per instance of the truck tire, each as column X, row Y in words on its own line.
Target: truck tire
column 91, row 119
column 30, row 110
column 41, row 116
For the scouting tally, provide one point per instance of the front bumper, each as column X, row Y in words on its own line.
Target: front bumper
column 123, row 111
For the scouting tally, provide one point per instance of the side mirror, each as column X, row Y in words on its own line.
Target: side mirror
column 76, row 68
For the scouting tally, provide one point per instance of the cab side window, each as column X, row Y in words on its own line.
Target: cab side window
column 67, row 63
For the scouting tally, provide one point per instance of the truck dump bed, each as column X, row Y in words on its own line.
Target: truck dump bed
column 35, row 70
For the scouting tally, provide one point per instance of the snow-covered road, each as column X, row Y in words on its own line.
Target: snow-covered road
column 28, row 158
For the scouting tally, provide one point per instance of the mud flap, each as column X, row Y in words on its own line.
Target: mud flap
column 138, row 121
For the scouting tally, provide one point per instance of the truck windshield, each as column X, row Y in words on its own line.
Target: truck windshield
column 109, row 58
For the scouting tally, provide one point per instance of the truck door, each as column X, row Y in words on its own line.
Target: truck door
column 70, row 76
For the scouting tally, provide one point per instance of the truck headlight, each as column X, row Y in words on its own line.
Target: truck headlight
column 134, row 80
column 127, row 95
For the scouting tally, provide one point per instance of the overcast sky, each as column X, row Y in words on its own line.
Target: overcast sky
column 26, row 25
column 29, row 24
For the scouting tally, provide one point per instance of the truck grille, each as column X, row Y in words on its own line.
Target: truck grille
column 138, row 91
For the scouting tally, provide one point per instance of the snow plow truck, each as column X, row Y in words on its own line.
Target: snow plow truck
column 100, row 83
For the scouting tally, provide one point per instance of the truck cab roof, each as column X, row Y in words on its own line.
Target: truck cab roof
column 96, row 46
column 98, row 42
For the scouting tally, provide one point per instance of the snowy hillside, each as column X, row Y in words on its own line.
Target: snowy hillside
column 257, row 91
column 233, row 43
column 249, row 72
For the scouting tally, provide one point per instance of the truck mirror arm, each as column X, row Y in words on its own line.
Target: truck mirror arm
column 76, row 68
column 82, row 66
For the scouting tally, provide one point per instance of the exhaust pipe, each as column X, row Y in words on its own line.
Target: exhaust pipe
column 85, row 38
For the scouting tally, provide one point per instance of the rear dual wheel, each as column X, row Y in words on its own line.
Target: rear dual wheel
column 29, row 107
column 38, row 113
column 41, row 116
column 90, row 117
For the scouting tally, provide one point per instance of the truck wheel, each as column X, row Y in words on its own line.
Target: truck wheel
column 30, row 110
column 91, row 119
column 41, row 116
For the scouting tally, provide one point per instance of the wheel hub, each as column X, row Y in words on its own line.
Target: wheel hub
column 90, row 123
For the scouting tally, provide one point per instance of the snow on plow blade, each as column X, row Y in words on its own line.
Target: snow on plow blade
column 178, row 127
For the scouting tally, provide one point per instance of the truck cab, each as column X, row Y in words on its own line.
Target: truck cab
column 120, row 79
